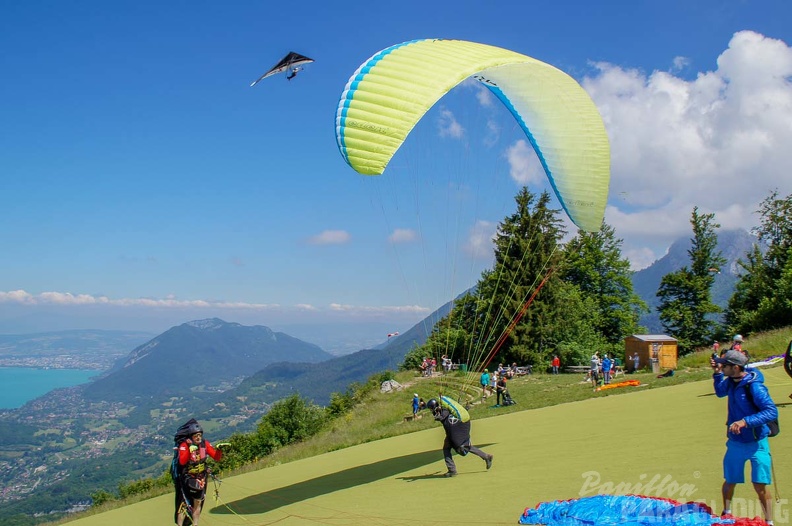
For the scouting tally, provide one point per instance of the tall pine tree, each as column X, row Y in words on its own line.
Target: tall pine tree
column 762, row 299
column 526, row 257
column 686, row 307
column 593, row 262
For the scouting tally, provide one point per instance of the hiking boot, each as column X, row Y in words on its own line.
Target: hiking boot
column 488, row 460
column 450, row 474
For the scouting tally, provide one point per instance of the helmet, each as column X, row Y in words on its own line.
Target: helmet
column 195, row 428
column 738, row 338
column 432, row 405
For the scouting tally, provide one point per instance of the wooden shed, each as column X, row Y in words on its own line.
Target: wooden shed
column 650, row 347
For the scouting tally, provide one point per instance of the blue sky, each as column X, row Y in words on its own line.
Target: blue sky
column 144, row 183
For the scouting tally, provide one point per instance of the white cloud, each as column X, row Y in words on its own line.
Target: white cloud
column 403, row 235
column 386, row 310
column 640, row 257
column 484, row 95
column 680, row 63
column 16, row 296
column 69, row 302
column 449, row 126
column 479, row 244
column 493, row 133
column 524, row 165
column 330, row 237
column 719, row 141
column 69, row 299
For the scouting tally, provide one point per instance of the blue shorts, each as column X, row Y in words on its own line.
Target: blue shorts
column 737, row 453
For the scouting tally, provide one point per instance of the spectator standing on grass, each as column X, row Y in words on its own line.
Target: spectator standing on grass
column 606, row 369
column 500, row 388
column 446, row 363
column 636, row 362
column 594, row 369
column 484, row 381
column 750, row 409
column 556, row 363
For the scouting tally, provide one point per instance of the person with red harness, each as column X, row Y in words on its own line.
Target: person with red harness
column 191, row 471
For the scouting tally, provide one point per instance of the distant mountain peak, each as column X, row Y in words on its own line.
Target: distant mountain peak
column 205, row 354
column 733, row 245
column 210, row 324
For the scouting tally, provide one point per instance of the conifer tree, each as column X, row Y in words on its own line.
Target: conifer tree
column 526, row 254
column 686, row 307
column 593, row 262
column 762, row 298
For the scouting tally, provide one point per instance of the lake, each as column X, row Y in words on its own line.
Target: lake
column 22, row 384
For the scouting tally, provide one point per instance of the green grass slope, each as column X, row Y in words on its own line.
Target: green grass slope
column 666, row 441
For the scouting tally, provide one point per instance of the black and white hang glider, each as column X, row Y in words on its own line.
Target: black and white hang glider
column 291, row 63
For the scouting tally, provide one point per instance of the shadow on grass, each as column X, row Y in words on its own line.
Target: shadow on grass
column 348, row 478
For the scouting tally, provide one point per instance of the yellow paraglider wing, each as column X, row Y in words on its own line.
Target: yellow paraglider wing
column 390, row 92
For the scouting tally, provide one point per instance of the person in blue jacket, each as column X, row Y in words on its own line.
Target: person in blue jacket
column 750, row 409
column 484, row 381
column 606, row 369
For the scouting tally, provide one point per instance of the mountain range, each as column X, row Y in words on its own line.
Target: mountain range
column 210, row 354
column 318, row 381
column 733, row 245
column 214, row 356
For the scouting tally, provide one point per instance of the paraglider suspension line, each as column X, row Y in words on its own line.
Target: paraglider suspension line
column 516, row 320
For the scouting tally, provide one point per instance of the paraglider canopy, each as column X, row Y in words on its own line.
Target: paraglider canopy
column 291, row 62
column 389, row 93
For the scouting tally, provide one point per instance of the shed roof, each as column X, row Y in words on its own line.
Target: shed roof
column 653, row 337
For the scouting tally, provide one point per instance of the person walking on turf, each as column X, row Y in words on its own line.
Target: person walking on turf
column 457, row 436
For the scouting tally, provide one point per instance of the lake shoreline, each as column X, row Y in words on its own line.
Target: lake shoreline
column 23, row 384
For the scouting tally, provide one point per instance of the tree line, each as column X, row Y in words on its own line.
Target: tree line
column 543, row 297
